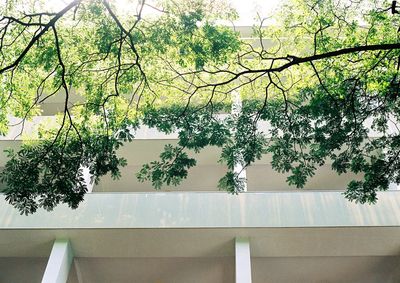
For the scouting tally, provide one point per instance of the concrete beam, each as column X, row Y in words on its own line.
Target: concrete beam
column 59, row 263
column 242, row 260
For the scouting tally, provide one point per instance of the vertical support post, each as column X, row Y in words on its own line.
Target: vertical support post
column 87, row 176
column 392, row 130
column 242, row 260
column 59, row 263
column 238, row 166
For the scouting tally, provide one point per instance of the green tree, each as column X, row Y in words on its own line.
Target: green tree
column 323, row 77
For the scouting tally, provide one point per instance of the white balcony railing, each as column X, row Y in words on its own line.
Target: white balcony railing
column 211, row 210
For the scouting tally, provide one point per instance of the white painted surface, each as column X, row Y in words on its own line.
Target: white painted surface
column 88, row 178
column 211, row 210
column 59, row 263
column 239, row 165
column 205, row 242
column 153, row 270
column 242, row 260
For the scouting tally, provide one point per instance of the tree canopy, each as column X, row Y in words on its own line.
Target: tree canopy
column 325, row 76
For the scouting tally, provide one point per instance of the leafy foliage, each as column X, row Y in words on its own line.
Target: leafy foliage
column 325, row 79
column 47, row 172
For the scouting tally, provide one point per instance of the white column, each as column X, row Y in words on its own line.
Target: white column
column 87, row 176
column 59, row 263
column 238, row 167
column 242, row 260
column 392, row 130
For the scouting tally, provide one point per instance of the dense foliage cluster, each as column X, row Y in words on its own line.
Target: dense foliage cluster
column 325, row 78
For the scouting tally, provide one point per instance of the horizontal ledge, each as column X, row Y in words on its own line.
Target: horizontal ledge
column 145, row 132
column 210, row 210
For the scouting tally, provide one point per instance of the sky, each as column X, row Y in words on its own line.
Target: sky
column 247, row 9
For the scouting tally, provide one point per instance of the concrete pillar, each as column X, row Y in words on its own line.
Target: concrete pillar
column 87, row 176
column 242, row 260
column 59, row 263
column 235, row 112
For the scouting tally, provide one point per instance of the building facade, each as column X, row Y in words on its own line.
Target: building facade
column 125, row 231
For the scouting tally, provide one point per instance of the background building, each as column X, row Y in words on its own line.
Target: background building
column 125, row 231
